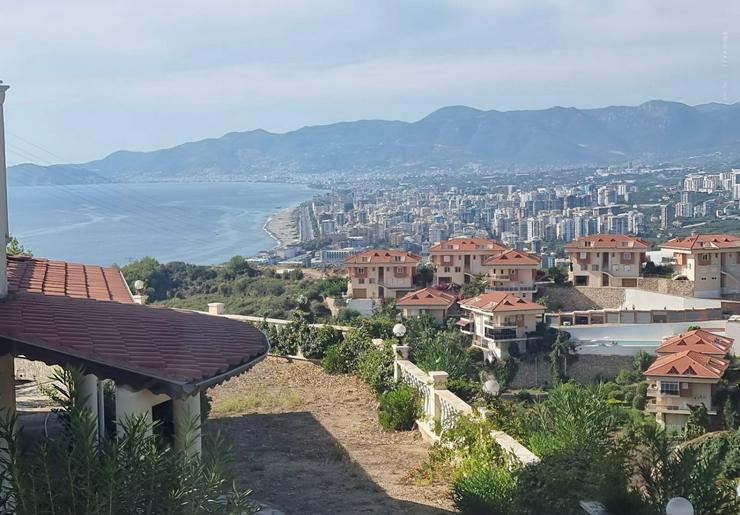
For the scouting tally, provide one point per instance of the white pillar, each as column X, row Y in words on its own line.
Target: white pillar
column 87, row 390
column 132, row 404
column 3, row 200
column 216, row 308
column 140, row 299
column 186, row 418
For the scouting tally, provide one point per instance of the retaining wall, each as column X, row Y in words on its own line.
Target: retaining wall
column 581, row 368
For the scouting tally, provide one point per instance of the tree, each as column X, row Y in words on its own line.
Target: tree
column 556, row 275
column 561, row 349
column 698, row 421
column 642, row 361
column 424, row 275
column 474, row 287
column 14, row 248
column 728, row 414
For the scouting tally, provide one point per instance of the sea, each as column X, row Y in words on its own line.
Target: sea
column 201, row 223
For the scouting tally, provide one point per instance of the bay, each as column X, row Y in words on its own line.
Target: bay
column 203, row 223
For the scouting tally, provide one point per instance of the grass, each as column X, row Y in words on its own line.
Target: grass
column 257, row 398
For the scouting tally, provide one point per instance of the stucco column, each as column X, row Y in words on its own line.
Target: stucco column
column 132, row 404
column 186, row 418
column 87, row 389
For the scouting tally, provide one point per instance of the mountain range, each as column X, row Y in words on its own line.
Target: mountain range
column 451, row 137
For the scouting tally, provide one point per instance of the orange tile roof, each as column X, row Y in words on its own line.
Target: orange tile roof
column 608, row 241
column 69, row 279
column 513, row 257
column 427, row 297
column 467, row 245
column 385, row 256
column 64, row 313
column 703, row 241
column 698, row 340
column 498, row 302
column 688, row 364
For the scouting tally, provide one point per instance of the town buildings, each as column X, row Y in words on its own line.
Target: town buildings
column 500, row 323
column 381, row 274
column 606, row 260
column 710, row 261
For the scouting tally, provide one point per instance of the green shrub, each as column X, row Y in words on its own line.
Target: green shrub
column 466, row 389
column 375, row 367
column 443, row 352
column 320, row 339
column 484, row 490
column 333, row 361
column 399, row 408
column 348, row 315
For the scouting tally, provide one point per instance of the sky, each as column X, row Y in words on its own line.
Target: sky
column 92, row 77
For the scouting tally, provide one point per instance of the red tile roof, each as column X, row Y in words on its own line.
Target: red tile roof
column 703, row 241
column 698, row 340
column 71, row 317
column 513, row 257
column 384, row 256
column 467, row 245
column 498, row 302
column 688, row 364
column 69, row 279
column 608, row 241
column 427, row 297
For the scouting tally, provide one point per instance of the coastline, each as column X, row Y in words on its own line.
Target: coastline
column 283, row 227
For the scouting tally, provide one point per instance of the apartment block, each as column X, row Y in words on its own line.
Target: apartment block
column 606, row 260
column 710, row 261
column 381, row 274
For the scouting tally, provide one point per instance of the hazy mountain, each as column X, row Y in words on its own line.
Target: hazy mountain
column 452, row 136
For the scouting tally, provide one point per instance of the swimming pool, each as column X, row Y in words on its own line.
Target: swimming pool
column 614, row 347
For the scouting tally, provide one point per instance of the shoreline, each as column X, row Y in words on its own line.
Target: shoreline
column 282, row 227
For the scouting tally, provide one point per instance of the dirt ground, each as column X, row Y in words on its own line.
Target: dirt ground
column 308, row 442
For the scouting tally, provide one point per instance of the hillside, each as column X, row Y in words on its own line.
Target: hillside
column 450, row 137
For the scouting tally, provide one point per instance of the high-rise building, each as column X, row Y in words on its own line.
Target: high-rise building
column 667, row 215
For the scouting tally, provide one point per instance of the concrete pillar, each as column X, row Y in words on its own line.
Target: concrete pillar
column 140, row 299
column 439, row 382
column 3, row 200
column 399, row 352
column 186, row 418
column 132, row 404
column 216, row 308
column 87, row 390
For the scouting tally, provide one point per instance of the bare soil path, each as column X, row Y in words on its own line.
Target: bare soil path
column 308, row 442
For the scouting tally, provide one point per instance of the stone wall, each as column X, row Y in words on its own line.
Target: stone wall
column 581, row 298
column 667, row 286
column 586, row 368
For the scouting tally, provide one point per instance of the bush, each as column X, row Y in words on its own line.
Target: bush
column 399, row 408
column 375, row 367
column 319, row 340
column 348, row 315
column 484, row 490
column 443, row 352
column 464, row 388
column 333, row 362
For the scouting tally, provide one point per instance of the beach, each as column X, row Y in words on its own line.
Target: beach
column 283, row 227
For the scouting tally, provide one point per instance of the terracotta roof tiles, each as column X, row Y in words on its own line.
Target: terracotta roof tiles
column 699, row 340
column 703, row 241
column 467, row 245
column 384, row 256
column 608, row 241
column 688, row 364
column 512, row 257
column 427, row 297
column 498, row 302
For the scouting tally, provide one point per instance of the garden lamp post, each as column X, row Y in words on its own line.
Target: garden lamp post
column 399, row 331
column 679, row 506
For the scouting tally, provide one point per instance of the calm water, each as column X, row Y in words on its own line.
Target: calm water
column 113, row 223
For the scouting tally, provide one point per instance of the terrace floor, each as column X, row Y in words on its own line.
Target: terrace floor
column 308, row 442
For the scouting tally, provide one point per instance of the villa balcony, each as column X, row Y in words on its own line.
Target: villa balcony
column 500, row 277
column 675, row 404
column 502, row 333
column 522, row 288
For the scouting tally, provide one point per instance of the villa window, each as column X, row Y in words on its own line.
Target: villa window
column 594, row 268
column 447, row 269
column 627, row 256
column 584, row 255
column 362, row 281
column 457, row 269
column 669, row 387
column 584, row 268
column 627, row 268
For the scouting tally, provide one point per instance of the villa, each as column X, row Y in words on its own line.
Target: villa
column 710, row 261
column 606, row 260
column 428, row 301
column 512, row 271
column 687, row 373
column 458, row 260
column 500, row 322
column 381, row 274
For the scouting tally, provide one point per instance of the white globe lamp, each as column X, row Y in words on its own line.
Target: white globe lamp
column 138, row 285
column 679, row 506
column 399, row 330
